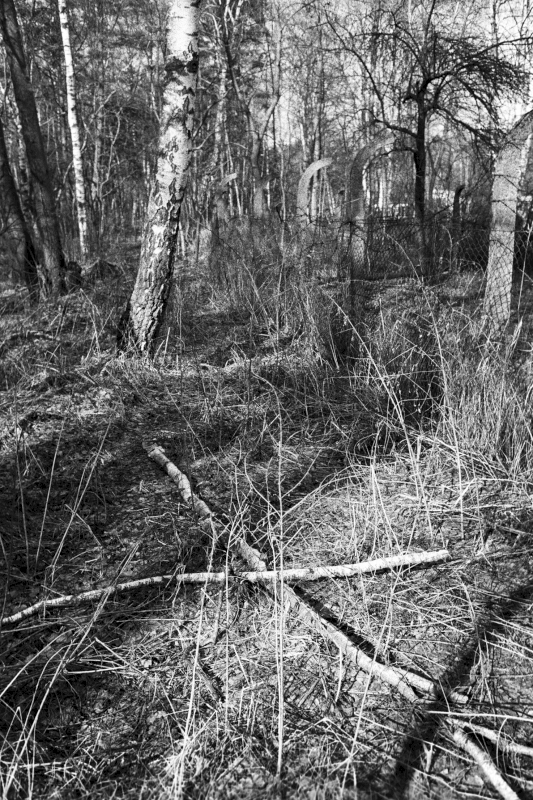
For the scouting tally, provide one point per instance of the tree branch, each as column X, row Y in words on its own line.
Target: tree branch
column 255, row 576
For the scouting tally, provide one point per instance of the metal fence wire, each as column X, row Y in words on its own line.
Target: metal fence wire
column 379, row 251
column 388, row 248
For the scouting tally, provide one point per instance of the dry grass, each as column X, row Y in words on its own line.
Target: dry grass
column 323, row 431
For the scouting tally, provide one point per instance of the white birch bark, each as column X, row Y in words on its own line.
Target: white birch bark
column 144, row 315
column 72, row 116
column 508, row 172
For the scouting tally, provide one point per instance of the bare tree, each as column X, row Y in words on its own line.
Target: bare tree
column 143, row 315
column 13, row 225
column 425, row 66
column 257, row 112
column 46, row 217
column 72, row 114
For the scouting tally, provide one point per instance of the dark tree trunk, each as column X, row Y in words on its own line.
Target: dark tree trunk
column 456, row 229
column 13, row 225
column 420, row 159
column 46, row 217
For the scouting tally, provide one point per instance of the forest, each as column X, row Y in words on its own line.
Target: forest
column 266, row 399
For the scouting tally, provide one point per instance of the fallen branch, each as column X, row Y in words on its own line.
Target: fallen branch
column 385, row 673
column 390, row 675
column 261, row 576
column 83, row 597
column 496, row 738
column 344, row 570
column 399, row 681
column 483, row 760
column 403, row 680
column 157, row 454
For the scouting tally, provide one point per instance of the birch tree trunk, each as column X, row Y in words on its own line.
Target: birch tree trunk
column 46, row 217
column 100, row 57
column 72, row 116
column 14, row 227
column 508, row 172
column 143, row 315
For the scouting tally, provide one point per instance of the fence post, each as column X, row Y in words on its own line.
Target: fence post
column 508, row 171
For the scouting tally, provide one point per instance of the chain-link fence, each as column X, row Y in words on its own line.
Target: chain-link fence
column 390, row 248
column 384, row 249
column 381, row 250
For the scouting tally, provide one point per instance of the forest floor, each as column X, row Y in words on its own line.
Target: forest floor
column 406, row 682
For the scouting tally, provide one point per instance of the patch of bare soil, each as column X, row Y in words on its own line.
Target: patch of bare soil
column 365, row 686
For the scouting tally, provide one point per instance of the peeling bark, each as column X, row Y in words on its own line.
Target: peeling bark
column 508, row 171
column 143, row 316
column 72, row 115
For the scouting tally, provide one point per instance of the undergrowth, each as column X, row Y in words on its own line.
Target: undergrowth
column 323, row 425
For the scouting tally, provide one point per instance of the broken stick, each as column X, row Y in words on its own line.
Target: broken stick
column 394, row 677
column 264, row 576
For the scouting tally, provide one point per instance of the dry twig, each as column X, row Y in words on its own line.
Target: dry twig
column 497, row 738
column 400, row 680
column 205, row 514
column 482, row 759
column 263, row 576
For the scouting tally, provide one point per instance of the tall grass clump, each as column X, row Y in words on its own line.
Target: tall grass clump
column 424, row 360
column 487, row 404
column 402, row 350
column 241, row 268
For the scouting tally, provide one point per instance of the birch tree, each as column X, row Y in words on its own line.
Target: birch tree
column 144, row 313
column 72, row 116
column 46, row 221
